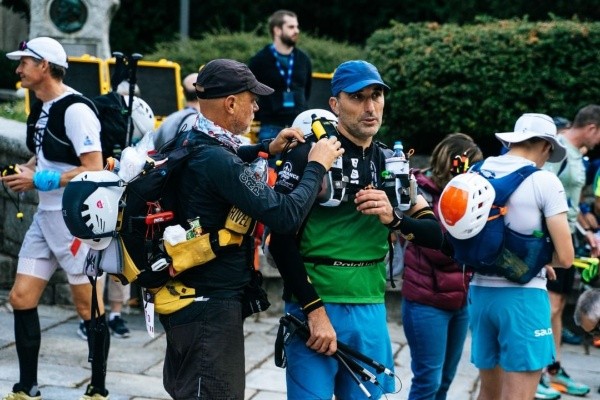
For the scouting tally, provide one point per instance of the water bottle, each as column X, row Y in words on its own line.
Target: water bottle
column 397, row 178
column 399, row 150
column 322, row 127
column 260, row 167
column 334, row 187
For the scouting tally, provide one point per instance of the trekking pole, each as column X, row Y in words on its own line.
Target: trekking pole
column 379, row 368
column 344, row 362
column 342, row 354
column 132, row 64
column 120, row 72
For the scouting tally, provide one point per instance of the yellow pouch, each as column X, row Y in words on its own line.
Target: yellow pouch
column 197, row 251
column 228, row 238
column 130, row 270
column 173, row 296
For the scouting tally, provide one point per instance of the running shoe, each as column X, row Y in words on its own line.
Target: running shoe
column 82, row 331
column 92, row 393
column 118, row 327
column 569, row 337
column 562, row 382
column 544, row 391
column 21, row 393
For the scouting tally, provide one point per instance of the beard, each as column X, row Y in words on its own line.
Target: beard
column 288, row 40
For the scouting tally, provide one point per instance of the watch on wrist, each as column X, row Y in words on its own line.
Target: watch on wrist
column 398, row 215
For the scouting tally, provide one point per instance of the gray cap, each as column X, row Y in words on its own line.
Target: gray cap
column 223, row 77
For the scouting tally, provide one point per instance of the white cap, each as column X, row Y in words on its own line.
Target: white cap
column 42, row 48
column 535, row 125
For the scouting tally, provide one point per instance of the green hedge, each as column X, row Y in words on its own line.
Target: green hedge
column 325, row 54
column 478, row 79
column 475, row 79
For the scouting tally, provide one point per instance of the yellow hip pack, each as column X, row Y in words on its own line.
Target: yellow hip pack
column 173, row 296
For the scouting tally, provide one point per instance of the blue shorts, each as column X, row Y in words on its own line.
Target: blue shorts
column 311, row 375
column 510, row 327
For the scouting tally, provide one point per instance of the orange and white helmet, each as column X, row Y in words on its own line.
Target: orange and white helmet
column 465, row 205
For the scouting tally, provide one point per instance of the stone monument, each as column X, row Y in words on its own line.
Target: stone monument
column 82, row 26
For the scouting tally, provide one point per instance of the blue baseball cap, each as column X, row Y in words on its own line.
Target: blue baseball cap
column 355, row 75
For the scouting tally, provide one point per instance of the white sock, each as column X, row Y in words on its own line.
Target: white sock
column 113, row 315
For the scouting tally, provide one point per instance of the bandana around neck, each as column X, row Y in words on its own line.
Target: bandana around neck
column 213, row 130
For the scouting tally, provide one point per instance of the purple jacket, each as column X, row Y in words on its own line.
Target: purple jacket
column 429, row 276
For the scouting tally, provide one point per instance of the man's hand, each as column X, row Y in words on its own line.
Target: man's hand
column 374, row 202
column 322, row 338
column 286, row 139
column 21, row 182
column 325, row 151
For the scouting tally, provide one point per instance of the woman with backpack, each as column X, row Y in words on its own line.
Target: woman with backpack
column 434, row 289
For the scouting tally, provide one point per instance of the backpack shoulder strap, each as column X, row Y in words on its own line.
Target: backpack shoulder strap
column 506, row 185
column 185, row 116
column 476, row 167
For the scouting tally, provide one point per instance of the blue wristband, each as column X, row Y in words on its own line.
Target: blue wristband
column 46, row 180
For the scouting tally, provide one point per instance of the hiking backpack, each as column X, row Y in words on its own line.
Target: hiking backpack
column 472, row 208
column 147, row 205
column 131, row 246
column 110, row 109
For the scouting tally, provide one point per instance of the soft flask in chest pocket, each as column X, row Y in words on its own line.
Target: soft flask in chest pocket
column 334, row 186
column 399, row 180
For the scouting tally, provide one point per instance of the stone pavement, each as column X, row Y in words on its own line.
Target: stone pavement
column 135, row 363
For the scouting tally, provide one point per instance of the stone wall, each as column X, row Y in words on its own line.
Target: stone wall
column 13, row 29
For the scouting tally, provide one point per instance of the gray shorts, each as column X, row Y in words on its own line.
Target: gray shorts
column 47, row 245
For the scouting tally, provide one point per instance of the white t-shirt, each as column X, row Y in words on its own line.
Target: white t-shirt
column 540, row 194
column 83, row 129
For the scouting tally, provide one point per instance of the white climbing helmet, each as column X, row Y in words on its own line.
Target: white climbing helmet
column 142, row 116
column 91, row 207
column 305, row 118
column 465, row 204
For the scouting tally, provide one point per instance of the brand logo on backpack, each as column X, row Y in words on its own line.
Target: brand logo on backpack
column 472, row 208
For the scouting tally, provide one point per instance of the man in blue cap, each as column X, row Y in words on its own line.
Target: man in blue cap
column 334, row 270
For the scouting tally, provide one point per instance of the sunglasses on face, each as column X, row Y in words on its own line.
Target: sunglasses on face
column 23, row 46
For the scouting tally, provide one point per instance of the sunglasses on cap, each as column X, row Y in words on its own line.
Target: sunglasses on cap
column 23, row 46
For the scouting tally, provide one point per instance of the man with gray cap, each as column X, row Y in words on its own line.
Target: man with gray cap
column 205, row 339
column 510, row 322
column 334, row 271
column 48, row 243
